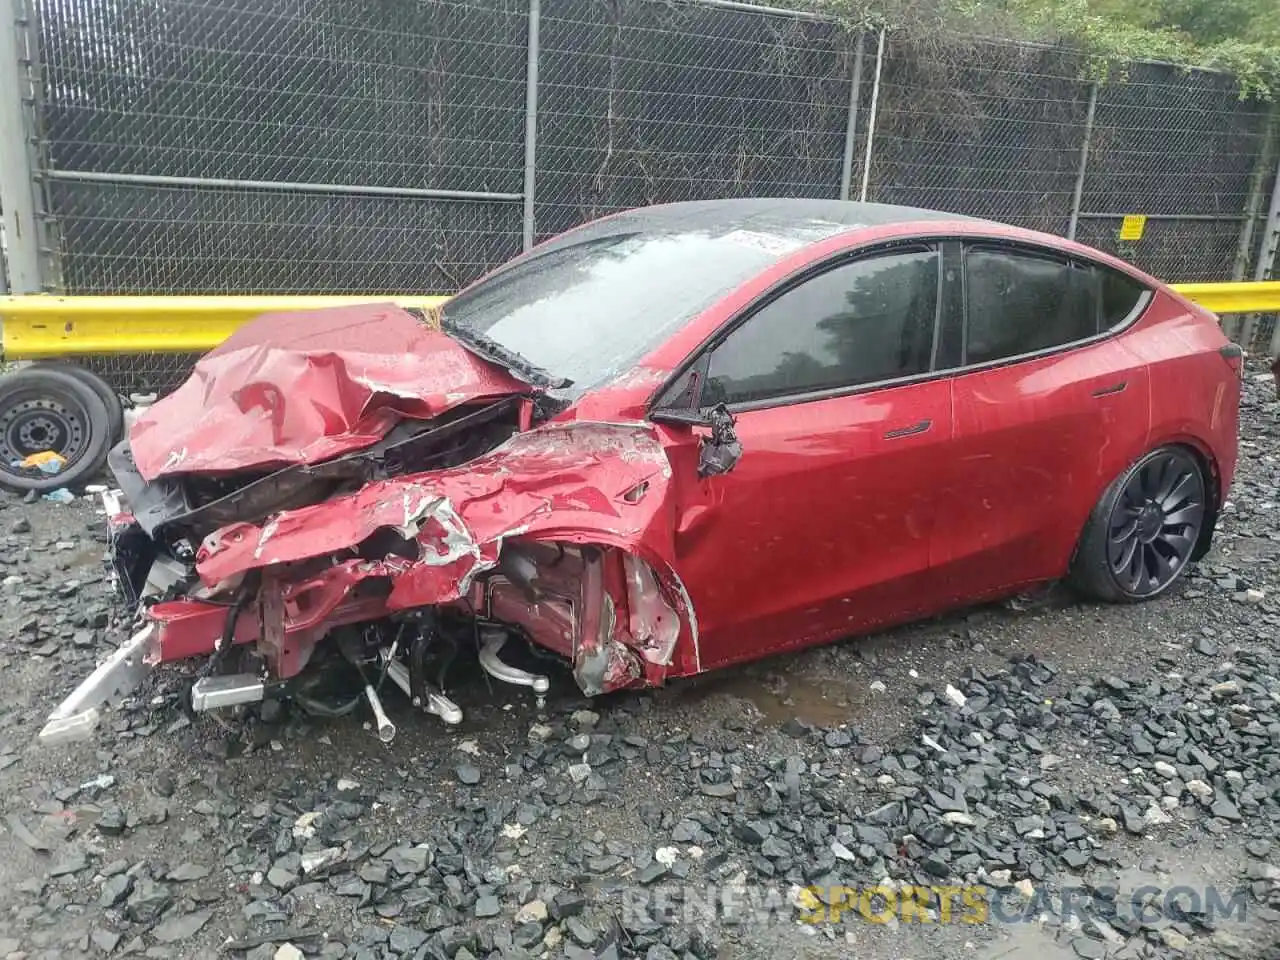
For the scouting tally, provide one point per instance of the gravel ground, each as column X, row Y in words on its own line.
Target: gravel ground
column 1109, row 776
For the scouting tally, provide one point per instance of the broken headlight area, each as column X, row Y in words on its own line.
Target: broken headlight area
column 389, row 587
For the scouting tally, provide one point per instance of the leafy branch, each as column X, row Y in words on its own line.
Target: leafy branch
column 1238, row 37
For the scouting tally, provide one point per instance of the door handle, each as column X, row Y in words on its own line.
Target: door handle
column 915, row 428
column 1113, row 389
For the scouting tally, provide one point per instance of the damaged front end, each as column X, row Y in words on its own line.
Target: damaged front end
column 473, row 529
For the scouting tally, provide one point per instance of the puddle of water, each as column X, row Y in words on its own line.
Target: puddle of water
column 818, row 704
column 1022, row 940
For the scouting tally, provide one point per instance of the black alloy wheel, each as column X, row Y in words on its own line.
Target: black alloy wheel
column 1145, row 529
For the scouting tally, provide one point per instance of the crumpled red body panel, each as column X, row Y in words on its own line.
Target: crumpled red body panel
column 585, row 482
column 295, row 388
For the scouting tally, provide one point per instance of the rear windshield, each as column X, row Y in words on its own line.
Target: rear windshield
column 588, row 310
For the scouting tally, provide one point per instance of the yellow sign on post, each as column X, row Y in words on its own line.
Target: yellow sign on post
column 1132, row 226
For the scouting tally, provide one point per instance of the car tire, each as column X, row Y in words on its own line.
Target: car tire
column 111, row 399
column 48, row 408
column 1141, row 535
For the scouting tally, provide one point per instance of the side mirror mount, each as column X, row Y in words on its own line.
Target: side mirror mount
column 680, row 416
column 721, row 451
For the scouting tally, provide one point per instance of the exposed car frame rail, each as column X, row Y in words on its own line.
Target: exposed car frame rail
column 48, row 327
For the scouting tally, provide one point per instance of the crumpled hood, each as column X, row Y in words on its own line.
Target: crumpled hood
column 300, row 388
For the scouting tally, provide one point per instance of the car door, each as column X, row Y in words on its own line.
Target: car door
column 823, row 525
column 1049, row 409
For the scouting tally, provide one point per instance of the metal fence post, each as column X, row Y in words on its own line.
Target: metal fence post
column 1267, row 250
column 851, row 126
column 1269, row 257
column 1270, row 234
column 21, row 230
column 1253, row 206
column 871, row 122
column 1078, row 194
column 531, row 122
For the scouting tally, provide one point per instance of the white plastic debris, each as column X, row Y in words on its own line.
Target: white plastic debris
column 304, row 827
column 954, row 695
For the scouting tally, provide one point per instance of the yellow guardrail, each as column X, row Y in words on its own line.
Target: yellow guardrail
column 43, row 326
column 1257, row 297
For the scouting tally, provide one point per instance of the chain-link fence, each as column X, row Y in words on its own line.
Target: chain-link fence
column 649, row 102
column 411, row 145
column 342, row 126
column 988, row 129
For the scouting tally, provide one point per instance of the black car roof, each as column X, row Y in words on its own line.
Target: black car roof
column 780, row 217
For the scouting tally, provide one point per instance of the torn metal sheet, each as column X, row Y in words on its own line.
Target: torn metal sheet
column 300, row 388
column 574, row 477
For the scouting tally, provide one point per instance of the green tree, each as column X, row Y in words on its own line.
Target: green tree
column 1202, row 21
column 1241, row 37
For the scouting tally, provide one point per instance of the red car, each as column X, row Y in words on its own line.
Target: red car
column 670, row 440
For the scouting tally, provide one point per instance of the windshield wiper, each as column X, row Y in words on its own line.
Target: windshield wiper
column 495, row 352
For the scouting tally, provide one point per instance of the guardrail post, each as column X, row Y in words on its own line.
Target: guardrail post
column 531, row 123
column 17, row 181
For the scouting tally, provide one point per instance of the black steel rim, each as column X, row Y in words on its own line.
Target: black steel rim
column 1155, row 523
column 32, row 424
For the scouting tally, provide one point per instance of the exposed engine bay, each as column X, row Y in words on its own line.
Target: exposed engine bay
column 307, row 505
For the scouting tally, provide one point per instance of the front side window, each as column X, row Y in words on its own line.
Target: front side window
column 1019, row 303
column 864, row 322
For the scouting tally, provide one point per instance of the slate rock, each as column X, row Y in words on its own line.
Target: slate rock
column 115, row 890
column 1224, row 808
column 566, row 904
column 186, row 872
column 405, row 939
column 175, row 929
column 113, row 821
column 147, row 901
column 73, row 861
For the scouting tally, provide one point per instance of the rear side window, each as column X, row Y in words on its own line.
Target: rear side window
column 1018, row 303
column 864, row 322
column 1120, row 295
